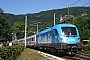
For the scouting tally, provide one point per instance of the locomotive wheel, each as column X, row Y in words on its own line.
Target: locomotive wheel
column 53, row 50
column 45, row 48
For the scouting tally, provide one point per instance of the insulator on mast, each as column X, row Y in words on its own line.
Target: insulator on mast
column 61, row 19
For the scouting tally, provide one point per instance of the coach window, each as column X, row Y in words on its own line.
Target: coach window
column 56, row 32
column 30, row 39
column 26, row 40
column 33, row 39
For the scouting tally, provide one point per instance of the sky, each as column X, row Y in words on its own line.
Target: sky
column 36, row 6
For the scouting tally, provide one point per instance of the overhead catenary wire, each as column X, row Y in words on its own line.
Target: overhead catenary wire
column 86, row 3
column 63, row 3
column 75, row 2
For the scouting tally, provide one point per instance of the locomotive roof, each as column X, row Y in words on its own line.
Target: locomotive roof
column 56, row 27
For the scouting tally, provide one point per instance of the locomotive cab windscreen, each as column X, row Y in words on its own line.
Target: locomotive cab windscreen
column 70, row 35
column 69, row 31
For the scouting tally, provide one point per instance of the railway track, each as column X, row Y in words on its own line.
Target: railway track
column 50, row 56
column 77, row 57
column 67, row 57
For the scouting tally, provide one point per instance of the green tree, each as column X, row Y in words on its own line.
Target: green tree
column 44, row 26
column 5, row 29
column 30, row 31
column 1, row 11
column 19, row 29
column 83, row 25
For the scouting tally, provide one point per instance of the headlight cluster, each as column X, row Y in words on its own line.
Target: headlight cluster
column 79, row 40
column 63, row 40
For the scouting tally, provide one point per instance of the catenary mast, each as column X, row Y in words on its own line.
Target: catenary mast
column 25, row 28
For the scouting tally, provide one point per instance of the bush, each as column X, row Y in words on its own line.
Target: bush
column 10, row 52
column 86, row 47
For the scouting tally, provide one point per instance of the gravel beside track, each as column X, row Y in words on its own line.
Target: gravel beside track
column 49, row 56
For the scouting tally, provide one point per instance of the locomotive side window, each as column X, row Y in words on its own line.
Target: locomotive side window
column 55, row 31
column 68, row 31
column 49, row 35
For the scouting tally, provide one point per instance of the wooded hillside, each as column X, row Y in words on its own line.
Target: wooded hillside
column 47, row 16
column 80, row 16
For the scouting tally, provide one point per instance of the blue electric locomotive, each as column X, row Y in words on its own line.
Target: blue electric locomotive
column 61, row 38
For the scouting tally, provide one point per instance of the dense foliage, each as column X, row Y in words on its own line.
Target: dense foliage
column 5, row 29
column 19, row 29
column 83, row 24
column 86, row 48
column 10, row 52
column 47, row 16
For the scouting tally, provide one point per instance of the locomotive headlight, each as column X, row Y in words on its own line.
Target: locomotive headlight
column 79, row 40
column 63, row 40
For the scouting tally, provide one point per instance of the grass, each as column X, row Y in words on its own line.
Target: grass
column 29, row 54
